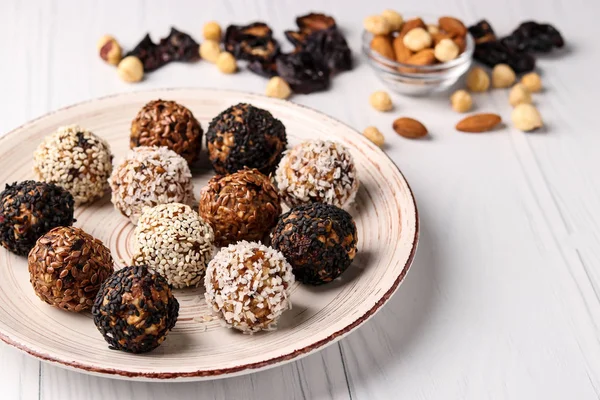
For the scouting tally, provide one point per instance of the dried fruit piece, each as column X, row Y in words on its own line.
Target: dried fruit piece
column 531, row 36
column 532, row 81
column 402, row 52
column 409, row 128
column 526, row 117
column 417, row 39
column 330, row 47
column 519, row 94
column 382, row 44
column 178, row 46
column 394, row 19
column 482, row 32
column 377, row 25
column 453, row 26
column 251, row 42
column 381, row 101
column 493, row 53
column 374, row 135
column 478, row 123
column 304, row 73
column 314, row 22
column 296, row 38
column 265, row 69
column 503, row 76
column 478, row 80
column 424, row 57
column 412, row 24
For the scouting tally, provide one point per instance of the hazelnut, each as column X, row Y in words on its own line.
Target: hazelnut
column 461, row 101
column 374, row 135
column 377, row 25
column 478, row 80
column 381, row 101
column 519, row 94
column 278, row 88
column 503, row 76
column 131, row 69
column 226, row 63
column 210, row 50
column 446, row 50
column 417, row 39
column 433, row 29
column 526, row 117
column 393, row 19
column 212, row 31
column 109, row 49
column 532, row 81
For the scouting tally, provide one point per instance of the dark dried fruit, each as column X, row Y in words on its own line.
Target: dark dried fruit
column 147, row 51
column 314, row 22
column 492, row 53
column 533, row 37
column 330, row 47
column 251, row 42
column 303, row 72
column 265, row 69
column 482, row 32
column 178, row 46
column 296, row 38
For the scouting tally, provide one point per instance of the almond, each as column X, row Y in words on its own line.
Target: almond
column 382, row 44
column 402, row 52
column 412, row 24
column 453, row 26
column 437, row 37
column 409, row 128
column 461, row 43
column 478, row 123
column 423, row 57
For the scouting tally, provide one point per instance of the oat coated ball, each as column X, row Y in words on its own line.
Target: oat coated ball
column 150, row 176
column 317, row 171
column 76, row 159
column 167, row 123
column 240, row 206
column 28, row 210
column 248, row 286
column 67, row 267
column 173, row 240
column 135, row 309
column 318, row 240
column 245, row 136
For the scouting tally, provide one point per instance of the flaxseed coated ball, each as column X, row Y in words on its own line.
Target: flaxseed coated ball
column 135, row 309
column 169, row 124
column 318, row 240
column 67, row 267
column 76, row 159
column 248, row 286
column 317, row 171
column 245, row 136
column 28, row 210
column 173, row 240
column 240, row 206
column 150, row 176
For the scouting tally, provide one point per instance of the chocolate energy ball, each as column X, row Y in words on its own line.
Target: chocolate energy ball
column 135, row 309
column 150, row 176
column 76, row 159
column 169, row 124
column 247, row 286
column 240, row 206
column 173, row 240
column 245, row 136
column 318, row 240
column 28, row 210
column 67, row 267
column 317, row 171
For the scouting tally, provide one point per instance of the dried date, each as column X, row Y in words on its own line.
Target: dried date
column 303, row 72
column 534, row 37
column 265, row 69
column 251, row 42
column 494, row 52
column 314, row 22
column 330, row 47
column 178, row 46
column 482, row 32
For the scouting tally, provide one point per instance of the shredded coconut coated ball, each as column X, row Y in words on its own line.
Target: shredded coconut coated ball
column 247, row 285
column 77, row 160
column 150, row 176
column 173, row 240
column 319, row 171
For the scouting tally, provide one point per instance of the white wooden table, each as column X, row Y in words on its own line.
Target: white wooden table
column 503, row 300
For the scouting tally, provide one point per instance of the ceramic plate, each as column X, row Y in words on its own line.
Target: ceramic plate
column 385, row 215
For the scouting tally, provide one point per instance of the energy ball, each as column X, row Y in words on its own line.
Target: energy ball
column 173, row 240
column 240, row 206
column 150, row 176
column 135, row 309
column 28, row 210
column 248, row 286
column 75, row 159
column 67, row 267
column 245, row 136
column 169, row 124
column 318, row 240
column 317, row 171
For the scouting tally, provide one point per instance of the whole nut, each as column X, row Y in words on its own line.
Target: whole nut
column 478, row 123
column 210, row 50
column 400, row 50
column 377, row 25
column 532, row 81
column 417, row 39
column 382, row 44
column 131, row 69
column 526, row 117
column 410, row 25
column 446, row 50
column 374, row 135
column 278, row 88
column 409, row 128
column 423, row 57
column 109, row 49
column 226, row 63
column 519, row 94
column 433, row 29
column 212, row 31
column 393, row 19
column 453, row 26
column 381, row 101
column 503, row 76
column 478, row 80
column 461, row 101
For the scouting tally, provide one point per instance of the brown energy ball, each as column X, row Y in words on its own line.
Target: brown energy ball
column 245, row 136
column 240, row 206
column 135, row 310
column 28, row 210
column 318, row 240
column 67, row 267
column 167, row 123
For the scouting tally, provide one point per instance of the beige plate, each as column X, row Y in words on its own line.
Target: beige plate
column 385, row 214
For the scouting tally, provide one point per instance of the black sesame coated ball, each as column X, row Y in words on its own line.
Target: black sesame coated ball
column 135, row 309
column 30, row 209
column 318, row 240
column 245, row 136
